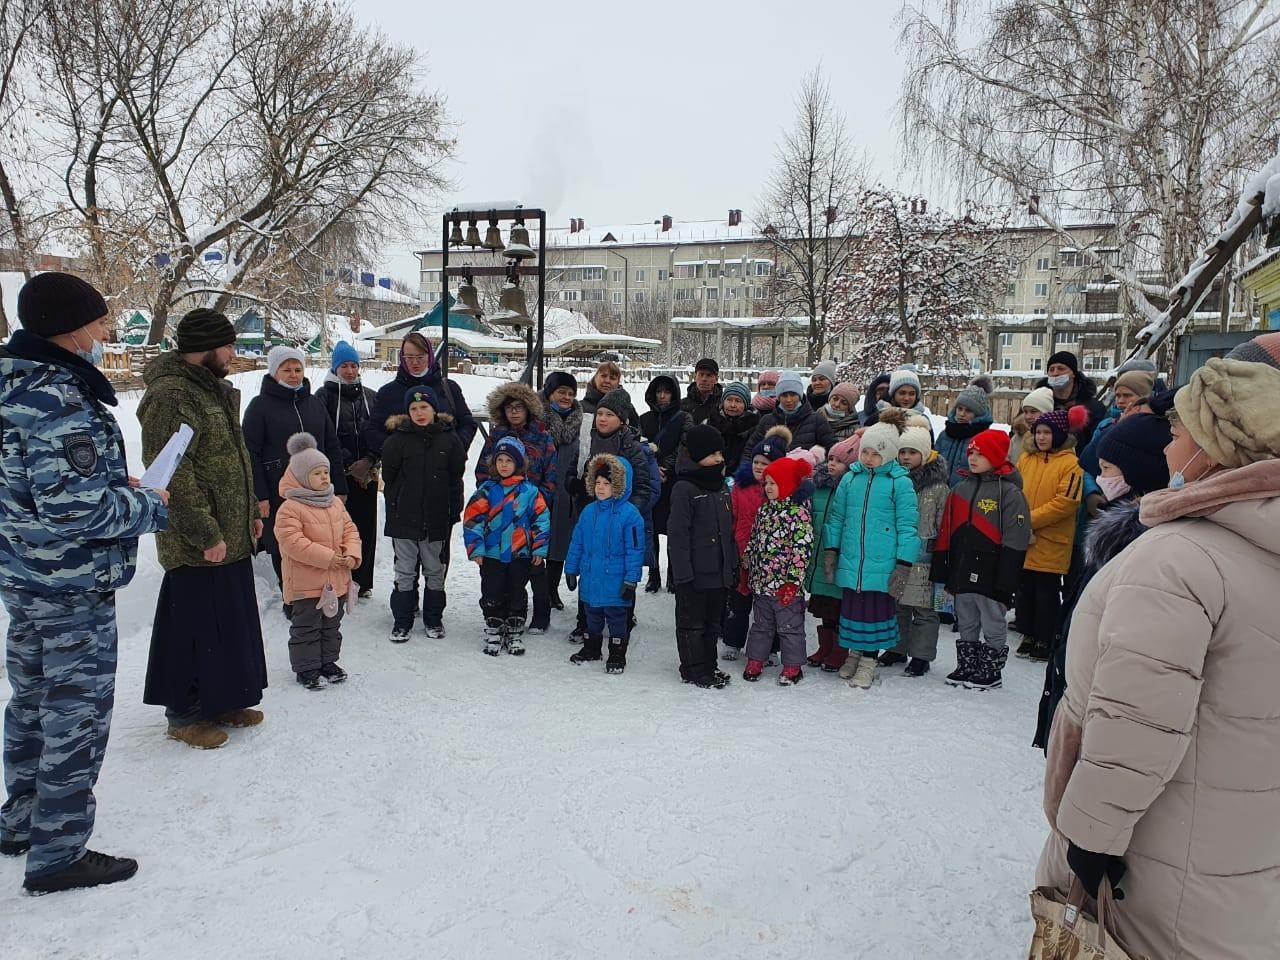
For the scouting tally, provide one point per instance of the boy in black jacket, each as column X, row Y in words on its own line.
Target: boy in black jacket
column 422, row 464
column 704, row 554
column 978, row 557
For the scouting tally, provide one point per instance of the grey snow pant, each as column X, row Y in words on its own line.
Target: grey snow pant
column 918, row 627
column 981, row 620
column 314, row 639
column 769, row 618
column 409, row 554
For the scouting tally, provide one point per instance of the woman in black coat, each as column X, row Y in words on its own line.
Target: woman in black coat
column 285, row 406
column 350, row 404
column 808, row 427
column 664, row 427
column 418, row 367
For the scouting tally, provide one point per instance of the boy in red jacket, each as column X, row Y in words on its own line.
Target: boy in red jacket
column 978, row 557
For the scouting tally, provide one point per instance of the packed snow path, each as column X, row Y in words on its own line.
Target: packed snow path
column 446, row 804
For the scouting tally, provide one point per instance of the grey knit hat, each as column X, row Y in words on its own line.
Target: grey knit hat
column 975, row 399
column 303, row 456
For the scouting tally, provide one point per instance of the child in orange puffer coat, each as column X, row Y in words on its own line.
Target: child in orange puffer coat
column 319, row 547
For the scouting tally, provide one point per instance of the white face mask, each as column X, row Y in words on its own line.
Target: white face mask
column 1057, row 383
column 1113, row 488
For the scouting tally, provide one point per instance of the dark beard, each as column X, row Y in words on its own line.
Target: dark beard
column 210, row 362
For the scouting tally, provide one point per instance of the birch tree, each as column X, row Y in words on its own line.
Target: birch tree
column 807, row 210
column 1147, row 113
column 18, row 19
column 922, row 283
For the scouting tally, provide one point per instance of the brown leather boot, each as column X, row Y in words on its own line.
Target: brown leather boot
column 244, row 717
column 202, row 735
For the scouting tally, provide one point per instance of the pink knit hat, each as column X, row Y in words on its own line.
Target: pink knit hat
column 846, row 451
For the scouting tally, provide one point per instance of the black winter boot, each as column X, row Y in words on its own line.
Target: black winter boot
column 590, row 650
column 617, row 656
column 515, row 636
column 654, row 583
column 433, row 602
column 402, row 605
column 987, row 669
column 493, row 627
column 966, row 663
column 91, row 870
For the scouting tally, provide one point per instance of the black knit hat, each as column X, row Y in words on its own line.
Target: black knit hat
column 708, row 364
column 557, row 379
column 50, row 304
column 1067, row 359
column 203, row 329
column 703, row 440
column 617, row 402
column 1136, row 445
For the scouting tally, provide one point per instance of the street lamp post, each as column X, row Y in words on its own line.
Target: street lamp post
column 626, row 291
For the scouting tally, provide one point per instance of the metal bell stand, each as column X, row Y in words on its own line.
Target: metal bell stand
column 513, row 213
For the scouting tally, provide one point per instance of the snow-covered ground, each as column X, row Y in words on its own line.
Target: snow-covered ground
column 446, row 804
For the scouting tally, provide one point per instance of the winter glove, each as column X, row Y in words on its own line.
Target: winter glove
column 898, row 580
column 787, row 594
column 742, row 582
column 829, row 559
column 571, row 581
column 361, row 471
column 628, row 592
column 1091, row 867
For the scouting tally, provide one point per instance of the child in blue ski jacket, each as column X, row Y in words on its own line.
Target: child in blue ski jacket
column 507, row 529
column 605, row 560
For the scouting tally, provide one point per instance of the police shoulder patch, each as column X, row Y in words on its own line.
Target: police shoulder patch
column 81, row 453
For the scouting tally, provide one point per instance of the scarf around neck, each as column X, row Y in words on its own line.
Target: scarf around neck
column 312, row 498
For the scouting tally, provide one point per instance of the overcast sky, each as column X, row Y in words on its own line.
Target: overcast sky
column 620, row 113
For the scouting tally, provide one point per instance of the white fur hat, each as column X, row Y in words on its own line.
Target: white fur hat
column 884, row 439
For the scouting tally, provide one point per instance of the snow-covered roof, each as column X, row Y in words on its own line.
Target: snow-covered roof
column 1262, row 259
column 710, row 323
column 1079, row 319
column 358, row 291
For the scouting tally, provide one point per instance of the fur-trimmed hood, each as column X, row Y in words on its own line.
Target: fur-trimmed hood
column 515, row 390
column 395, row 421
column 613, row 469
column 932, row 471
column 1111, row 532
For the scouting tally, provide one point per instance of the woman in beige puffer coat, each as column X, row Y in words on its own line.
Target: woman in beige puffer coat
column 1165, row 753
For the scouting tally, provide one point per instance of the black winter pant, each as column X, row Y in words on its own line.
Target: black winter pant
column 698, row 614
column 362, row 506
column 502, row 593
column 737, row 619
column 1039, row 611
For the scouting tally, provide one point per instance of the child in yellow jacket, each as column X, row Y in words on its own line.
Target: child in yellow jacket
column 1052, row 483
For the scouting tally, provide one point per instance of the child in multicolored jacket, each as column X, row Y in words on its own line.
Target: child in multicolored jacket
column 506, row 528
column 777, row 556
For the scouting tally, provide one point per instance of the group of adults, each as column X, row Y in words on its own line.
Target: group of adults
column 1164, row 755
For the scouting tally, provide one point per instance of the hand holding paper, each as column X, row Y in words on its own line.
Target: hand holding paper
column 165, row 465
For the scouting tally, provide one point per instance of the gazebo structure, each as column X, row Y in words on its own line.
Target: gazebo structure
column 745, row 329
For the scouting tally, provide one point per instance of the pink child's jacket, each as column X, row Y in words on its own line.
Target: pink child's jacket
column 309, row 538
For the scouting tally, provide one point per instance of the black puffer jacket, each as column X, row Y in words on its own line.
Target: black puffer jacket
column 349, row 406
column 271, row 418
column 699, row 409
column 700, row 537
column 871, row 412
column 735, row 431
column 389, row 402
column 422, row 473
column 808, row 429
column 664, row 428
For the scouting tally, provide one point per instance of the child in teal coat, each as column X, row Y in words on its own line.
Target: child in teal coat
column 870, row 542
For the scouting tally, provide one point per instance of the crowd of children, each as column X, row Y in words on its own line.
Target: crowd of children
column 882, row 533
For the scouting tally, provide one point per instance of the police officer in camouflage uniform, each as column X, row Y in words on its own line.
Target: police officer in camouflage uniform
column 70, row 518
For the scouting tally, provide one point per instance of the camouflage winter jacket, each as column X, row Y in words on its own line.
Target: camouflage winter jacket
column 69, row 522
column 211, row 495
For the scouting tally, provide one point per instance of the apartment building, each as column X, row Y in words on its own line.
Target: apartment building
column 1061, row 294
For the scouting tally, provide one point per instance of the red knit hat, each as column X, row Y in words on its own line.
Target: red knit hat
column 992, row 444
column 788, row 473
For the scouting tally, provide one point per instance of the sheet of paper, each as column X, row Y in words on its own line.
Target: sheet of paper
column 163, row 467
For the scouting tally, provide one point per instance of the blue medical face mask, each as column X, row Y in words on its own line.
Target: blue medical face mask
column 559, row 409
column 1179, row 480
column 93, row 354
column 299, row 387
column 768, row 392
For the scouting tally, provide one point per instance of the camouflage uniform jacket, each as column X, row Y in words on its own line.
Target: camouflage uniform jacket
column 211, row 495
column 69, row 521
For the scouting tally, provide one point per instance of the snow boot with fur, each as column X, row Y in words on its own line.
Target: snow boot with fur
column 850, row 665
column 864, row 675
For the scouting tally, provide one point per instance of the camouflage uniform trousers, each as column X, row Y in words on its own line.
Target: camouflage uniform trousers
column 61, row 659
